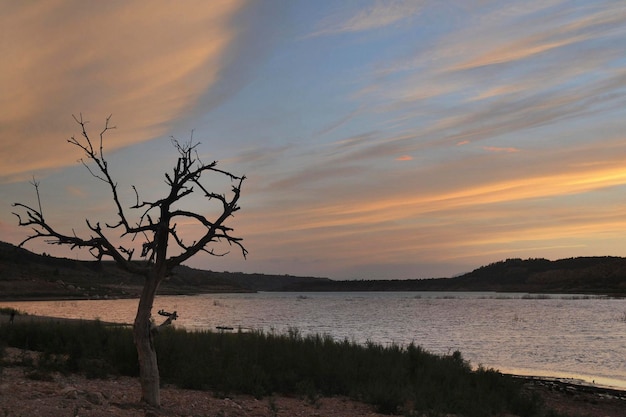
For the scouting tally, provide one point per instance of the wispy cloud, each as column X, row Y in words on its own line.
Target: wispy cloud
column 500, row 149
column 404, row 158
column 144, row 63
column 564, row 32
column 513, row 68
column 375, row 16
column 75, row 191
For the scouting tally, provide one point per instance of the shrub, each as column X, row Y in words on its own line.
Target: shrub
column 394, row 379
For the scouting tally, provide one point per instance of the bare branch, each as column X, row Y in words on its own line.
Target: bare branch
column 98, row 158
column 97, row 244
column 35, row 184
column 182, row 181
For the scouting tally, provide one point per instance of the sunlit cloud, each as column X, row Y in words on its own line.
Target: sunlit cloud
column 399, row 207
column 499, row 149
column 146, row 63
column 516, row 51
column 518, row 43
column 75, row 191
column 445, row 237
column 404, row 158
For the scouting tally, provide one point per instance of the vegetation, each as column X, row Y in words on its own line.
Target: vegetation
column 24, row 274
column 397, row 380
column 587, row 275
column 9, row 311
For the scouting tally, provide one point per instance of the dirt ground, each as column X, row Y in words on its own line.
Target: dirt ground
column 51, row 395
column 24, row 394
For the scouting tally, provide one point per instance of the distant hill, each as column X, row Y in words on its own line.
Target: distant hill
column 588, row 275
column 601, row 274
column 27, row 275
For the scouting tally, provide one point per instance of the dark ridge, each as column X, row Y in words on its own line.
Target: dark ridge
column 24, row 274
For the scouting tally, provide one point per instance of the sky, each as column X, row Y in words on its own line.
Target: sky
column 380, row 139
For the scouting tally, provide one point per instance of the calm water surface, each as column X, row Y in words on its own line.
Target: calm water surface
column 560, row 336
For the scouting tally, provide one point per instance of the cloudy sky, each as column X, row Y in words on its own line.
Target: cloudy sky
column 381, row 139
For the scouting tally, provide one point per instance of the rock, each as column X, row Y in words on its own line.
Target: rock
column 95, row 398
column 71, row 393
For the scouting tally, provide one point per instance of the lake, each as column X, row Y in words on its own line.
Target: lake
column 564, row 336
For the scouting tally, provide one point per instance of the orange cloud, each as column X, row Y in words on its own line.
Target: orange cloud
column 407, row 206
column 404, row 158
column 514, row 52
column 75, row 191
column 498, row 149
column 146, row 63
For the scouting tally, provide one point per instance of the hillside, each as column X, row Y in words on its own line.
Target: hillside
column 24, row 274
column 27, row 275
column 603, row 274
column 588, row 275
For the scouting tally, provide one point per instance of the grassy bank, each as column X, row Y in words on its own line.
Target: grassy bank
column 397, row 380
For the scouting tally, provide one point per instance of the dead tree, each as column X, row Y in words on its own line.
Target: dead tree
column 155, row 224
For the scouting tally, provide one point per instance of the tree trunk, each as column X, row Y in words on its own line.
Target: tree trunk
column 146, row 353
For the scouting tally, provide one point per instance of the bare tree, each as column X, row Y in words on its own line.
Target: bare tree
column 155, row 224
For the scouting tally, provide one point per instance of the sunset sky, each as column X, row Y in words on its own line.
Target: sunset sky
column 380, row 139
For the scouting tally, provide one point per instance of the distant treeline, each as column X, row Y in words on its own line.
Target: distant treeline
column 601, row 275
column 24, row 274
column 28, row 275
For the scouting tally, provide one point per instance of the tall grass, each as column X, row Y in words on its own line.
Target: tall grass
column 9, row 310
column 394, row 379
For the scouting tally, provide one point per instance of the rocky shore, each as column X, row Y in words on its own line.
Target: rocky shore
column 24, row 392
column 578, row 400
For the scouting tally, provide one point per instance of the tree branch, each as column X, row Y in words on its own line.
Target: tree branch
column 182, row 182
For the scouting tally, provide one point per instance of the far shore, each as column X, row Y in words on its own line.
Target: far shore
column 22, row 317
column 67, row 298
column 56, row 297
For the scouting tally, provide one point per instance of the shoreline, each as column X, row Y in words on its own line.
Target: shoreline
column 559, row 383
column 573, row 385
column 58, row 394
column 32, row 317
column 568, row 397
column 169, row 292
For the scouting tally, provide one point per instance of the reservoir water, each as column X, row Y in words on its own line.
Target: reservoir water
column 563, row 336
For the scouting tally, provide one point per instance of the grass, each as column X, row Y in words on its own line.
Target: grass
column 396, row 380
column 9, row 310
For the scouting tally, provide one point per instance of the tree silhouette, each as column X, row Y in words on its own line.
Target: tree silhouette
column 155, row 225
